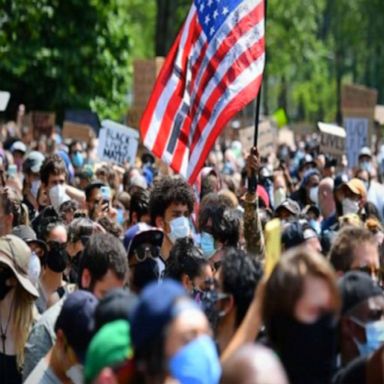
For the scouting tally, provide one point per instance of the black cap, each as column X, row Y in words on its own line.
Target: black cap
column 291, row 206
column 296, row 233
column 356, row 287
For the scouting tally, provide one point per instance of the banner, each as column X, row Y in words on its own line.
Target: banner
column 332, row 140
column 358, row 106
column 117, row 143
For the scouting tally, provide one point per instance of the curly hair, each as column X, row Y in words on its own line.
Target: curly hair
column 170, row 190
column 185, row 258
column 240, row 275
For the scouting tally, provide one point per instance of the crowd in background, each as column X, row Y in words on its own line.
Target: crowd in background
column 127, row 274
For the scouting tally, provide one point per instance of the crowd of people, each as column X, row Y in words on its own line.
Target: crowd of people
column 127, row 274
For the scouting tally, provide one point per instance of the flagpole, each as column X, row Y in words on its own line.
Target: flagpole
column 252, row 181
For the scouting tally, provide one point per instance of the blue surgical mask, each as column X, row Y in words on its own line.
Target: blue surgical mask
column 374, row 334
column 366, row 166
column 196, row 363
column 207, row 244
column 180, row 227
column 315, row 225
column 120, row 216
column 78, row 160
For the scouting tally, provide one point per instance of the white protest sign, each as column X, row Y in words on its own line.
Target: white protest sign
column 4, row 99
column 332, row 140
column 357, row 129
column 117, row 143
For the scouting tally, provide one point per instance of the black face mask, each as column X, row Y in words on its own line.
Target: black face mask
column 308, row 351
column 57, row 257
column 5, row 274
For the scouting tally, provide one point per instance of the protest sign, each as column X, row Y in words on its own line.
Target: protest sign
column 145, row 73
column 117, row 143
column 76, row 131
column 358, row 105
column 83, row 118
column 332, row 140
column 42, row 123
column 379, row 114
column 4, row 99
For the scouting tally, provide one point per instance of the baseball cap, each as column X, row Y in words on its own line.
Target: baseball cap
column 111, row 346
column 365, row 151
column 356, row 287
column 16, row 254
column 357, row 187
column 308, row 174
column 154, row 311
column 27, row 234
column 18, row 146
column 76, row 321
column 307, row 160
column 296, row 233
column 291, row 206
column 33, row 162
column 117, row 304
column 142, row 233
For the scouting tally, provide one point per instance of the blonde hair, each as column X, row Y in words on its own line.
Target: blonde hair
column 23, row 318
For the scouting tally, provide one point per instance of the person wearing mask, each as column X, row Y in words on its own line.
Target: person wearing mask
column 76, row 153
column 308, row 193
column 53, row 175
column 51, row 285
column 355, row 248
column 64, row 361
column 17, row 314
column 143, row 244
column 31, row 171
column 187, row 265
column 352, row 196
column 235, row 284
column 300, row 309
column 327, row 204
column 171, row 338
column 171, row 205
column 103, row 267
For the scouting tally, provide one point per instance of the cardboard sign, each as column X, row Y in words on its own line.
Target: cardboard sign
column 84, row 117
column 357, row 129
column 145, row 73
column 42, row 123
column 117, row 143
column 379, row 114
column 77, row 131
column 332, row 140
column 358, row 105
column 4, row 99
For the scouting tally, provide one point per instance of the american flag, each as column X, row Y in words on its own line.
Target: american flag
column 212, row 71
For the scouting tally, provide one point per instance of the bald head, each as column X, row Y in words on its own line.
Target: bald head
column 326, row 200
column 253, row 364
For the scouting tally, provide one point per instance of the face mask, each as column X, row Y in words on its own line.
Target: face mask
column 315, row 225
column 366, row 166
column 374, row 334
column 207, row 244
column 314, row 195
column 179, row 228
column 77, row 160
column 197, row 362
column 4, row 288
column 350, row 206
column 58, row 196
column 76, row 374
column 208, row 302
column 35, row 186
column 279, row 196
column 57, row 257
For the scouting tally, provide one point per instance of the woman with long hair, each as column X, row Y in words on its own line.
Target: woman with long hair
column 17, row 311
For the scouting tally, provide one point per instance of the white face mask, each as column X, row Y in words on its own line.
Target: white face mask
column 350, row 206
column 76, row 374
column 314, row 195
column 179, row 228
column 35, row 186
column 58, row 196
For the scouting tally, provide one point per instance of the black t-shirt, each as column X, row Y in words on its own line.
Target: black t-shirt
column 353, row 373
column 9, row 374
